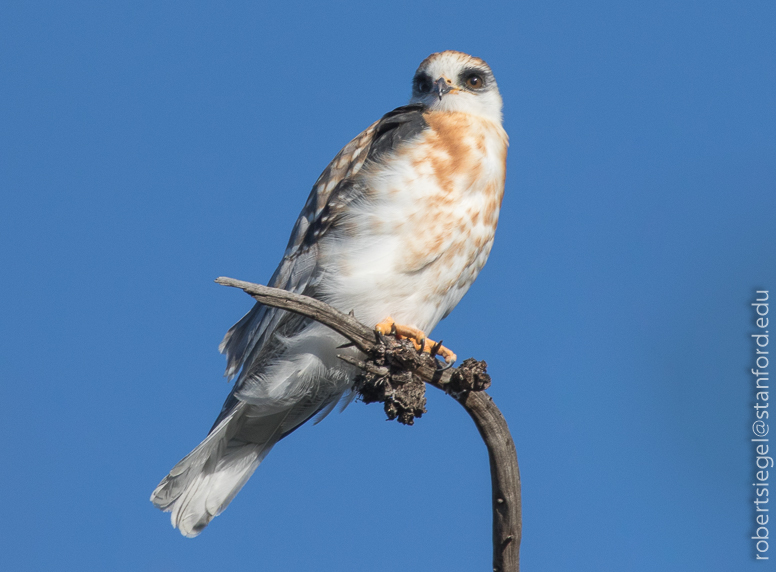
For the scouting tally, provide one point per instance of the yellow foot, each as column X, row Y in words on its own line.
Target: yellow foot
column 417, row 337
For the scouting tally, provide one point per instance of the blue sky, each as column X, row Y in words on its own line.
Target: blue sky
column 147, row 148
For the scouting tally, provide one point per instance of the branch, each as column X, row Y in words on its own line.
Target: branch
column 388, row 371
column 364, row 338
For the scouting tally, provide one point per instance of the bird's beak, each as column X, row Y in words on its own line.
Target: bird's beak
column 442, row 87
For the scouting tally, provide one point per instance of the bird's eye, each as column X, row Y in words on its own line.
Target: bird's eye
column 423, row 83
column 474, row 81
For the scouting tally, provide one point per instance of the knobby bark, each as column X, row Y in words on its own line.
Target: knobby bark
column 393, row 373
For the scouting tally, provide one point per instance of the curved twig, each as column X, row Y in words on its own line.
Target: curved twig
column 504, row 470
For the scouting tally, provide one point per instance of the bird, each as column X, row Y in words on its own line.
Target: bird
column 394, row 231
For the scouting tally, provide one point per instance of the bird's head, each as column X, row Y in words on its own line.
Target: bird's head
column 454, row 81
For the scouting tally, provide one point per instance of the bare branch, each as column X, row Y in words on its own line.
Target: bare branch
column 348, row 326
column 390, row 364
column 504, row 478
column 363, row 337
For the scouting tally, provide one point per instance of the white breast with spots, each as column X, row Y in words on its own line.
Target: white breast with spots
column 414, row 244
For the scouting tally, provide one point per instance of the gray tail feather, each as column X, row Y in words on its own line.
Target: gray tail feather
column 204, row 482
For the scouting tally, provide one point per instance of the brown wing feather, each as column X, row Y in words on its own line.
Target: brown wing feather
column 296, row 269
column 336, row 187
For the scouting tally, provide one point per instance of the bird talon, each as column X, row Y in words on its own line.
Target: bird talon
column 381, row 338
column 385, row 327
column 418, row 338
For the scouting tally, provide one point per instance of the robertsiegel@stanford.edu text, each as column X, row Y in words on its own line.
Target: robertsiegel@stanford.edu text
column 763, row 462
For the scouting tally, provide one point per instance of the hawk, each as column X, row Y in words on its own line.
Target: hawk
column 395, row 229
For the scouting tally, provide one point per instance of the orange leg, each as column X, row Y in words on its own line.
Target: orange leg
column 417, row 337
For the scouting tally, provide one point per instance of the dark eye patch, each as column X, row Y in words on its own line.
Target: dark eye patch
column 422, row 83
